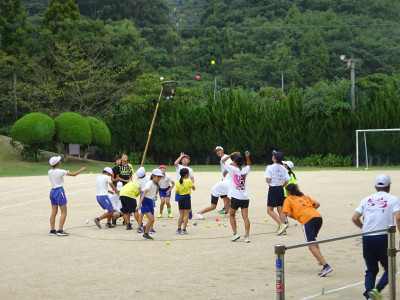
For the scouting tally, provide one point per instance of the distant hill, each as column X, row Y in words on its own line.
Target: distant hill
column 185, row 13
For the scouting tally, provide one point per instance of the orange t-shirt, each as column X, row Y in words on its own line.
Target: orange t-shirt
column 301, row 207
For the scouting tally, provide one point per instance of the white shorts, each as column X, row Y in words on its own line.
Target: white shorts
column 220, row 189
column 116, row 203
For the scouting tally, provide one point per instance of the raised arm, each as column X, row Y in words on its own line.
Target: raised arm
column 176, row 163
column 247, row 154
column 77, row 172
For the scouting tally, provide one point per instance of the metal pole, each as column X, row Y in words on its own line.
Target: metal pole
column 366, row 151
column 391, row 252
column 357, row 156
column 353, row 84
column 280, row 271
column 151, row 128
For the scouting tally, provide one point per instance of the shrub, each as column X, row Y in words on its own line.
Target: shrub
column 100, row 134
column 73, row 128
column 33, row 129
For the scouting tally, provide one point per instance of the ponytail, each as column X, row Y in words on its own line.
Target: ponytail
column 293, row 189
column 291, row 173
column 183, row 172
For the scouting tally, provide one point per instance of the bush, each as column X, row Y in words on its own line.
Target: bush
column 317, row 160
column 135, row 158
column 33, row 129
column 73, row 128
column 100, row 134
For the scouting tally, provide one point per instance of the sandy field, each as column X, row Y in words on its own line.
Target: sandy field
column 116, row 263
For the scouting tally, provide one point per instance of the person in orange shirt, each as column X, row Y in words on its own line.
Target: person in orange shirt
column 304, row 209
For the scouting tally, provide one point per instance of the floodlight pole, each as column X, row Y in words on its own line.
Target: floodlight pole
column 151, row 127
column 353, row 84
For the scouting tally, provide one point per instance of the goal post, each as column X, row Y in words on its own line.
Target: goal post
column 378, row 147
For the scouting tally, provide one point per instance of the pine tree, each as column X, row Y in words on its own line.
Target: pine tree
column 58, row 12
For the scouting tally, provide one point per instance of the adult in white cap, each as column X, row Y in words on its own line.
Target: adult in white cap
column 102, row 183
column 57, row 194
column 146, row 202
column 378, row 211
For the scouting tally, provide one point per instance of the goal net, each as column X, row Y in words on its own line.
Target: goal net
column 378, row 147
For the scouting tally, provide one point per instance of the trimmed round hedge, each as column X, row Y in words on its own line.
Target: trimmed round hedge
column 100, row 134
column 73, row 128
column 33, row 128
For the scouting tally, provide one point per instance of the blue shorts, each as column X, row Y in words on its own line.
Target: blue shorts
column 184, row 202
column 147, row 206
column 105, row 202
column 57, row 196
column 176, row 197
column 163, row 192
column 276, row 196
column 311, row 229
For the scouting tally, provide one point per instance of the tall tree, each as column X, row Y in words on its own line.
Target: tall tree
column 58, row 12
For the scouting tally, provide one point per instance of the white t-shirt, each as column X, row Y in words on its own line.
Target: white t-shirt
column 220, row 189
column 151, row 189
column 141, row 182
column 102, row 182
column 116, row 203
column 237, row 186
column 277, row 173
column 178, row 169
column 223, row 169
column 377, row 211
column 57, row 177
column 165, row 180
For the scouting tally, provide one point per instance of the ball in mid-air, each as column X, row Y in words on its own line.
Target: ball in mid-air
column 161, row 78
column 171, row 97
column 213, row 62
column 197, row 77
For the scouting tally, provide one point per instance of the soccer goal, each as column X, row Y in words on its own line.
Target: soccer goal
column 378, row 147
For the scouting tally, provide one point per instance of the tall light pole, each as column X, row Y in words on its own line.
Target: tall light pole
column 351, row 63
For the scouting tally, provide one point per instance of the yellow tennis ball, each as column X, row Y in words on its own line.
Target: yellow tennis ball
column 167, row 242
column 213, row 62
column 265, row 220
column 208, row 226
column 219, row 224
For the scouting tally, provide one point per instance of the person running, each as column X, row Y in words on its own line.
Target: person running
column 128, row 195
column 277, row 177
column 185, row 160
column 102, row 182
column 304, row 209
column 146, row 203
column 165, row 191
column 238, row 192
column 378, row 211
column 125, row 171
column 183, row 187
column 219, row 151
column 57, row 194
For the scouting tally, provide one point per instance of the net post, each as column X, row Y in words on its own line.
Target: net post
column 357, row 147
column 391, row 252
column 280, row 271
column 366, row 151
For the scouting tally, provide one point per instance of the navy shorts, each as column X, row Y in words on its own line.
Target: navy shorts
column 105, row 202
column 147, row 206
column 176, row 197
column 128, row 204
column 184, row 202
column 236, row 203
column 163, row 192
column 311, row 229
column 276, row 196
column 57, row 196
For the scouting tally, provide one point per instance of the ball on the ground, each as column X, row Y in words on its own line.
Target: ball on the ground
column 213, row 62
column 87, row 222
column 265, row 220
column 225, row 225
column 219, row 224
column 197, row 77
column 167, row 242
column 216, row 219
column 194, row 224
column 163, row 225
column 246, row 152
column 208, row 226
column 145, row 216
column 161, row 78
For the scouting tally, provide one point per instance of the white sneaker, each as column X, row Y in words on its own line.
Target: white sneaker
column 199, row 216
column 246, row 239
column 235, row 237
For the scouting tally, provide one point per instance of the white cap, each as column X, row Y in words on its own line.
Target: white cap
column 119, row 185
column 382, row 180
column 141, row 172
column 288, row 163
column 54, row 160
column 218, row 148
column 108, row 170
column 157, row 172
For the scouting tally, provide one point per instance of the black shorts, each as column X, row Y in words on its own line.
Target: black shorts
column 184, row 202
column 276, row 196
column 214, row 200
column 128, row 204
column 236, row 203
column 311, row 229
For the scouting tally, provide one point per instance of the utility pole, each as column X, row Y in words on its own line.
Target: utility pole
column 351, row 63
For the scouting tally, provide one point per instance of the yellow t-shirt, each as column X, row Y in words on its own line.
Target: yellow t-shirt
column 301, row 207
column 185, row 187
column 130, row 190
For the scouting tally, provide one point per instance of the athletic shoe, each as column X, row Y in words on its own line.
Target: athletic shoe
column 147, row 237
column 178, row 231
column 97, row 222
column 109, row 225
column 139, row 230
column 325, row 270
column 184, row 232
column 235, row 237
column 143, row 228
column 62, row 233
column 282, row 228
column 159, row 216
column 170, row 216
column 199, row 216
column 246, row 239
column 114, row 222
column 227, row 214
column 152, row 231
column 222, row 211
column 374, row 294
column 129, row 226
column 284, row 233
column 53, row 232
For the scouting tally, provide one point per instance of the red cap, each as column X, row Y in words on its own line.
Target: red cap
column 162, row 166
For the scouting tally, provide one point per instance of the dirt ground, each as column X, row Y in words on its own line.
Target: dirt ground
column 116, row 263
